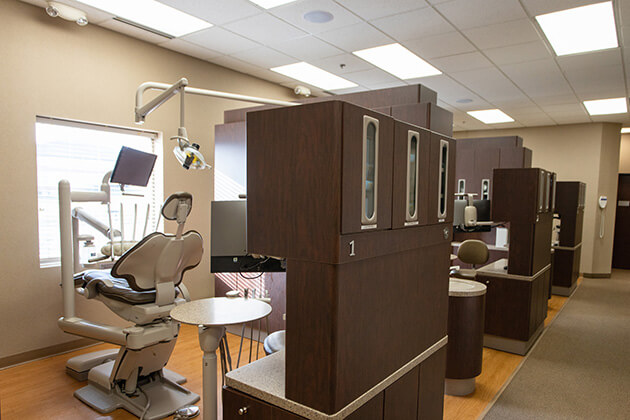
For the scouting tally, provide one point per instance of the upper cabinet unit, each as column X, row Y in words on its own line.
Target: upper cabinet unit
column 427, row 115
column 317, row 171
column 411, row 175
column 520, row 194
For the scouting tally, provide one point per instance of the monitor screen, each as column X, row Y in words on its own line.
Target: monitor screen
column 133, row 167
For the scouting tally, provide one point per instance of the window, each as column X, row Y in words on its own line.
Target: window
column 83, row 153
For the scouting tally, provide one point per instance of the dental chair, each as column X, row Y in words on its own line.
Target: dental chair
column 142, row 287
column 471, row 251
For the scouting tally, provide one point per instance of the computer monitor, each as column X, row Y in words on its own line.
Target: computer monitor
column 133, row 167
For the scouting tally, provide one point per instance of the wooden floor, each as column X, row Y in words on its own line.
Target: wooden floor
column 41, row 389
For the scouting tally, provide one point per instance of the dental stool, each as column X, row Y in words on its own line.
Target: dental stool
column 142, row 287
column 471, row 251
column 274, row 342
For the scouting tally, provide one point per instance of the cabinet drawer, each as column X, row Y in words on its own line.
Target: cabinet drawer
column 237, row 406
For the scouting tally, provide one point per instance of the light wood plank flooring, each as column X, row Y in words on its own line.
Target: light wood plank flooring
column 42, row 390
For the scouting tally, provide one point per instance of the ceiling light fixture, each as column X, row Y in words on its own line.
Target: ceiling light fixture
column 268, row 4
column 66, row 12
column 625, row 130
column 606, row 106
column 397, row 60
column 491, row 116
column 582, row 29
column 318, row 16
column 314, row 76
column 152, row 14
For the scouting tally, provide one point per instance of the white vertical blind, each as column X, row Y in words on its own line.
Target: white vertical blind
column 82, row 153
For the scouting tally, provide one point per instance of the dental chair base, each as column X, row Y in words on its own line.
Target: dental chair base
column 160, row 394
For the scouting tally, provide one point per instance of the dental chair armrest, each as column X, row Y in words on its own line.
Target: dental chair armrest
column 184, row 291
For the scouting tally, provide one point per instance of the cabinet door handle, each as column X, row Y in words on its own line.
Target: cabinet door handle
column 242, row 411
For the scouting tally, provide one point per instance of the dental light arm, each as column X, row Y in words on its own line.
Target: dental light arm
column 186, row 152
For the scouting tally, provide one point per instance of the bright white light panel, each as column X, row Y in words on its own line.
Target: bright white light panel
column 398, row 60
column 491, row 116
column 314, row 76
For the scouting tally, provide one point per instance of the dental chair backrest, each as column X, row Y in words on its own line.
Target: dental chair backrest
column 159, row 261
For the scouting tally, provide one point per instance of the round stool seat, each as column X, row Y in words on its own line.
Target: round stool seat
column 274, row 342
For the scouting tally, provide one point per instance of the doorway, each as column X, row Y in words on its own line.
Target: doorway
column 621, row 246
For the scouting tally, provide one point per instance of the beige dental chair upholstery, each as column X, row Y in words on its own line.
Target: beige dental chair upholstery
column 142, row 287
column 471, row 251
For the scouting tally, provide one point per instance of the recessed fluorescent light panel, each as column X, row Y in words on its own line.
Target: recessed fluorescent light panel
column 625, row 130
column 152, row 14
column 491, row 116
column 314, row 76
column 606, row 106
column 268, row 4
column 582, row 29
column 398, row 60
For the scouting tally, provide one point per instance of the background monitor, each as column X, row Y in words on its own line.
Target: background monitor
column 133, row 167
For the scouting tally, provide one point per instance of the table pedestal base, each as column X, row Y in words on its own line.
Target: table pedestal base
column 209, row 338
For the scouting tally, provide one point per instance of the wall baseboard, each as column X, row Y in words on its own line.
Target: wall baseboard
column 31, row 355
column 597, row 275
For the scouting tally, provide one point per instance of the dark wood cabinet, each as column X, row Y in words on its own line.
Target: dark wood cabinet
column 411, row 175
column 372, row 410
column 427, row 115
column 441, row 179
column 401, row 397
column 431, row 386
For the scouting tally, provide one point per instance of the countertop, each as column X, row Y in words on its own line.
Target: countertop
column 265, row 379
column 499, row 269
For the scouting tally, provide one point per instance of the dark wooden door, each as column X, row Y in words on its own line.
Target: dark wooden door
column 621, row 248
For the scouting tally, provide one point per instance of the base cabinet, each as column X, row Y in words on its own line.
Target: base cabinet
column 239, row 406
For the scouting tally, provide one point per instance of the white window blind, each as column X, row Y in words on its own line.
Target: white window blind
column 83, row 153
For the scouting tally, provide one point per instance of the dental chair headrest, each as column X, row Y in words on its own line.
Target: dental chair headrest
column 170, row 208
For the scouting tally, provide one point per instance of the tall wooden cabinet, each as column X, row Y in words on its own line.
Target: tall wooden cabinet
column 570, row 198
column 360, row 206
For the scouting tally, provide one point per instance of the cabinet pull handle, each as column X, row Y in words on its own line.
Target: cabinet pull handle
column 242, row 411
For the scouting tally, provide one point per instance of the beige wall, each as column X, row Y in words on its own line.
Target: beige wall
column 624, row 154
column 52, row 67
column 579, row 152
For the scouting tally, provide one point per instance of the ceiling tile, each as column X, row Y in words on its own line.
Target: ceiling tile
column 356, row 37
column 441, row 45
column 217, row 12
column 534, row 119
column 556, row 100
column 489, row 83
column 451, row 91
column 597, row 83
column 218, row 39
column 265, row 57
column 307, row 48
column 188, row 48
column 540, row 7
column 592, row 60
column 625, row 35
column 538, row 78
column 522, row 105
column 503, row 34
column 274, row 77
column 461, row 62
column 466, row 14
column 569, row 117
column 414, row 24
column 235, row 64
column 370, row 78
column 350, row 90
column 387, row 85
column 351, row 64
column 294, row 14
column 132, row 31
column 520, row 53
column 265, row 29
column 374, row 9
column 575, row 108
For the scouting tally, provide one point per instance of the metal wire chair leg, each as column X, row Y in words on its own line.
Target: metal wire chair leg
column 240, row 348
column 251, row 339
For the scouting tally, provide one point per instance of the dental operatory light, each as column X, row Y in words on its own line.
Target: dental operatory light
column 268, row 4
column 314, row 76
column 398, row 60
column 66, row 12
column 152, row 14
column 187, row 153
column 606, row 106
column 491, row 116
column 581, row 29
